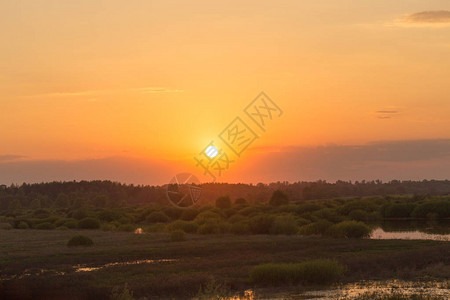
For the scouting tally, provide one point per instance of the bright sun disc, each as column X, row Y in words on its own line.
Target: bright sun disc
column 211, row 151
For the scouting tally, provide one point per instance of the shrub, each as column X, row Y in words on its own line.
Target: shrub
column 22, row 225
column 278, row 198
column 350, row 229
column 157, row 217
column 89, row 223
column 79, row 214
column 80, row 240
column 126, row 227
column 441, row 208
column 261, row 224
column 320, row 227
column 189, row 214
column 177, row 236
column 240, row 228
column 207, row 216
column 71, row 224
column 209, row 228
column 240, row 201
column 284, row 225
column 359, row 215
column 45, row 225
column 5, row 226
column 398, row 210
column 223, row 202
column 186, row 226
column 236, row 218
column 307, row 208
column 320, row 271
column 108, row 227
column 173, row 212
column 62, row 228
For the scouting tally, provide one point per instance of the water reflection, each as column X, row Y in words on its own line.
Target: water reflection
column 412, row 230
column 362, row 289
column 83, row 268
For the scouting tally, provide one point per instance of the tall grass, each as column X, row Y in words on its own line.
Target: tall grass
column 321, row 271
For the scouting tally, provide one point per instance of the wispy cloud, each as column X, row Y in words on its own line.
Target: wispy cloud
column 147, row 90
column 91, row 93
column 438, row 18
column 386, row 113
column 10, row 157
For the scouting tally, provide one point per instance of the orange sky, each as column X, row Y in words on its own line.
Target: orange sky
column 158, row 80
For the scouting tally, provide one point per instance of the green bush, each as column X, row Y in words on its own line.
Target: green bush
column 126, row 227
column 71, row 224
column 80, row 240
column 278, row 198
column 236, row 218
column 186, row 226
column 308, row 208
column 207, row 216
column 223, row 202
column 261, row 224
column 23, row 225
column 157, row 217
column 209, row 228
column 5, row 226
column 440, row 208
column 320, row 227
column 189, row 214
column 240, row 227
column 398, row 210
column 177, row 236
column 320, row 271
column 45, row 225
column 240, row 201
column 359, row 215
column 350, row 229
column 62, row 228
column 89, row 223
column 284, row 225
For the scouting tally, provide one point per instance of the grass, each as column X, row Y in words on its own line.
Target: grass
column 320, row 271
column 228, row 259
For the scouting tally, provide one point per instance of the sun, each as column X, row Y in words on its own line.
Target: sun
column 211, row 151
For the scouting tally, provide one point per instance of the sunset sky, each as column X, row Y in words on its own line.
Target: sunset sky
column 132, row 90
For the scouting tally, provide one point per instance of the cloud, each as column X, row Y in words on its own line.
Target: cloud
column 121, row 169
column 386, row 113
column 78, row 94
column 440, row 16
column 10, row 157
column 388, row 160
column 148, row 90
column 385, row 160
column 437, row 18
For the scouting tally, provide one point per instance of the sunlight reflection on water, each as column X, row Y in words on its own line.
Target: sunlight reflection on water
column 380, row 234
column 368, row 289
column 80, row 268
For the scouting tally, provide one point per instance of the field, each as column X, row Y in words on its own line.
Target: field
column 38, row 264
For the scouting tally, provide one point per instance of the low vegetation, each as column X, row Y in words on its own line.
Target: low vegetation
column 80, row 240
column 308, row 272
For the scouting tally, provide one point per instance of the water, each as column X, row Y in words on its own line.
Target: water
column 412, row 230
column 369, row 289
column 83, row 268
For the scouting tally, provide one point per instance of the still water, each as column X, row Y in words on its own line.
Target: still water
column 412, row 230
column 366, row 289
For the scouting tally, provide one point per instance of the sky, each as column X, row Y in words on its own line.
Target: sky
column 131, row 91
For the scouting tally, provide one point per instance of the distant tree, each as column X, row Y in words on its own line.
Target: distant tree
column 239, row 201
column 62, row 200
column 223, row 202
column 278, row 198
column 35, row 203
